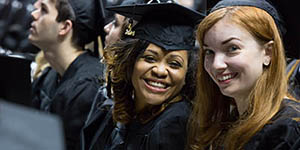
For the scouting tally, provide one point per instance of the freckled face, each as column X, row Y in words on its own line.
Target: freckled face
column 158, row 75
column 233, row 58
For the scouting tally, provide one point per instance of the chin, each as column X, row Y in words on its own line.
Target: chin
column 227, row 93
column 154, row 101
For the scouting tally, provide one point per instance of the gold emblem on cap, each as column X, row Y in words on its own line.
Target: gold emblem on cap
column 129, row 31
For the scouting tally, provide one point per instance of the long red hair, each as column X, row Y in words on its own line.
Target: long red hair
column 211, row 108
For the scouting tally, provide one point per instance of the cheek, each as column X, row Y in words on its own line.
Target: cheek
column 138, row 71
column 207, row 66
column 116, row 33
column 179, row 78
column 134, row 75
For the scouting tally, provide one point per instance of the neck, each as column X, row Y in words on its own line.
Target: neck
column 139, row 105
column 242, row 104
column 61, row 56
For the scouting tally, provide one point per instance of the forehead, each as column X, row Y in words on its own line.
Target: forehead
column 225, row 29
column 47, row 2
column 119, row 17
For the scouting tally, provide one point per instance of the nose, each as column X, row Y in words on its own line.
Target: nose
column 35, row 14
column 160, row 70
column 219, row 62
column 107, row 27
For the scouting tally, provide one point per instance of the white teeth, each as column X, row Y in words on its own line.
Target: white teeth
column 157, row 84
column 223, row 78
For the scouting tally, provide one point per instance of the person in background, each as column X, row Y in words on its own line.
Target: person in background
column 38, row 65
column 61, row 28
column 152, row 77
column 114, row 29
column 242, row 99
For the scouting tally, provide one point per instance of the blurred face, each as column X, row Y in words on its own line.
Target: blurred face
column 233, row 58
column 44, row 28
column 158, row 75
column 114, row 29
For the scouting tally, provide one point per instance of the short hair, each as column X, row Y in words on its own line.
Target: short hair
column 66, row 12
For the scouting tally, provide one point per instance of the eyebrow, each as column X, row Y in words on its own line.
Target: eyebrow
column 175, row 56
column 226, row 41
column 152, row 51
column 230, row 39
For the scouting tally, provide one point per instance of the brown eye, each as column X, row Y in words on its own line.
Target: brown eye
column 149, row 58
column 175, row 64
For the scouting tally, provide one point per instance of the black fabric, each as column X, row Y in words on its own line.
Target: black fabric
column 99, row 118
column 282, row 133
column 294, row 80
column 89, row 18
column 262, row 4
column 69, row 96
column 168, row 25
column 165, row 132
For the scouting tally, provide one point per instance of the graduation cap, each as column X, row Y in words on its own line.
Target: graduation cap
column 89, row 18
column 110, row 15
column 23, row 128
column 168, row 25
column 262, row 4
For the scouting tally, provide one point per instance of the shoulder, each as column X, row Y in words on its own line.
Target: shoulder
column 179, row 110
column 87, row 66
column 283, row 131
column 171, row 127
column 289, row 109
column 174, row 117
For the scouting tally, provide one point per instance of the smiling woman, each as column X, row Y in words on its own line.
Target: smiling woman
column 158, row 76
column 152, row 75
column 241, row 100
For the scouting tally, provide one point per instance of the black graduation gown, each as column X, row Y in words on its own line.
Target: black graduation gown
column 71, row 95
column 294, row 80
column 167, row 131
column 99, row 122
column 282, row 133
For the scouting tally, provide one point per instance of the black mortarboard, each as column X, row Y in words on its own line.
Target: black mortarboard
column 168, row 25
column 89, row 18
column 262, row 4
column 23, row 128
column 110, row 15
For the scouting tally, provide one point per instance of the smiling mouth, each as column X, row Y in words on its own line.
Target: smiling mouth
column 226, row 77
column 159, row 85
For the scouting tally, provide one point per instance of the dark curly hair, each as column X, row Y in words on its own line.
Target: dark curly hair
column 120, row 59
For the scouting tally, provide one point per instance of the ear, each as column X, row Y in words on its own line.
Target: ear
column 65, row 27
column 268, row 48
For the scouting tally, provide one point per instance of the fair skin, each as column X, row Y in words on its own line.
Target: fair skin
column 53, row 37
column 158, row 75
column 186, row 3
column 234, row 60
column 113, row 29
